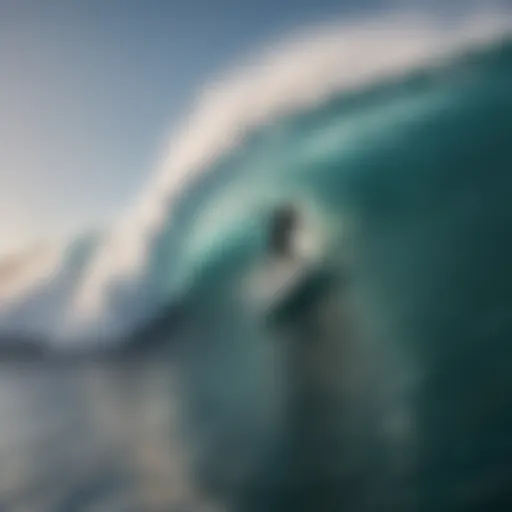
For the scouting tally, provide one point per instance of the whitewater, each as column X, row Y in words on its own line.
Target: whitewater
column 101, row 286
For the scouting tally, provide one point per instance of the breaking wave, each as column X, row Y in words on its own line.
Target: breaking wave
column 99, row 286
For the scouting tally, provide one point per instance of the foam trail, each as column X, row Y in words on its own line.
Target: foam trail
column 117, row 285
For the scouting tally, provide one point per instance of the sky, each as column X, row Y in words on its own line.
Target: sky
column 90, row 91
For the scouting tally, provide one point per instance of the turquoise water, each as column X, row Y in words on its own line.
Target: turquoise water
column 415, row 332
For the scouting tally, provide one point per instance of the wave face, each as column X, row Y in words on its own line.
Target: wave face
column 237, row 151
column 361, row 366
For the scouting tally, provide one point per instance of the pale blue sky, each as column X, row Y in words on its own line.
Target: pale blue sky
column 89, row 90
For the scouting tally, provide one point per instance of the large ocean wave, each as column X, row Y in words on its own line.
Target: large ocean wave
column 245, row 145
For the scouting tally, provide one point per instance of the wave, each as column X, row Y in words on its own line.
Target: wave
column 100, row 287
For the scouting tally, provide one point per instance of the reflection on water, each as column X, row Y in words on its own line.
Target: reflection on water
column 88, row 437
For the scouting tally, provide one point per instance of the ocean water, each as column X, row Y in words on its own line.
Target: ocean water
column 181, row 361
